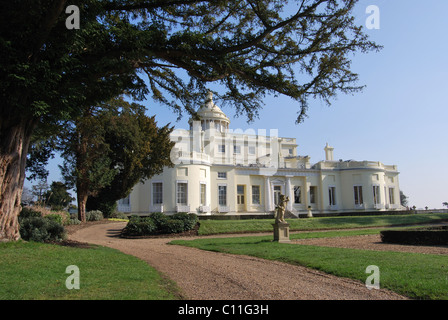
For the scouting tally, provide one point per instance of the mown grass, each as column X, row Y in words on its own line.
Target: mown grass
column 419, row 276
column 209, row 227
column 36, row 271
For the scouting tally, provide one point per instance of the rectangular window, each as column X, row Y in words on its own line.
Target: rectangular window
column 332, row 195
column 203, row 194
column 236, row 149
column 277, row 192
column 125, row 201
column 182, row 189
column 157, row 193
column 222, row 195
column 222, row 175
column 297, row 194
column 376, row 194
column 251, row 150
column 240, row 194
column 222, row 148
column 358, row 195
column 391, row 195
column 256, row 195
column 313, row 194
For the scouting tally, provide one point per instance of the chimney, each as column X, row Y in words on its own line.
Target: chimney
column 328, row 153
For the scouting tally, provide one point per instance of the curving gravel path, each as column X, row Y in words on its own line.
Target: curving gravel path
column 204, row 275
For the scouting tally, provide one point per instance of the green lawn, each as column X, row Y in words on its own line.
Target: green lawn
column 30, row 271
column 209, row 227
column 420, row 276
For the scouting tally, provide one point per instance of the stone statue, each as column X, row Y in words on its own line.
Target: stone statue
column 281, row 207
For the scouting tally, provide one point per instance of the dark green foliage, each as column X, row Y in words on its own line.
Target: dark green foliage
column 138, row 150
column 55, row 217
column 172, row 226
column 159, row 219
column 28, row 212
column 189, row 219
column 41, row 229
column 58, row 196
column 159, row 223
column 417, row 236
column 139, row 226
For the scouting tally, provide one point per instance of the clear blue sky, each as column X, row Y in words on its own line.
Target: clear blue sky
column 400, row 117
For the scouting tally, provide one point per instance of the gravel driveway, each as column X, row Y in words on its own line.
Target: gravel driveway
column 204, row 275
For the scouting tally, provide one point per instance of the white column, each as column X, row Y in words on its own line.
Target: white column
column 288, row 194
column 267, row 193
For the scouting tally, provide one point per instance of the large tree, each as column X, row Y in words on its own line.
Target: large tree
column 139, row 150
column 86, row 154
column 48, row 73
column 58, row 197
column 109, row 149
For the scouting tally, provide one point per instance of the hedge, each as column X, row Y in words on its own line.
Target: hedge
column 159, row 223
column 417, row 236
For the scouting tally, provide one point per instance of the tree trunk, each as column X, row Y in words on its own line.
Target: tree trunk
column 15, row 139
column 82, row 196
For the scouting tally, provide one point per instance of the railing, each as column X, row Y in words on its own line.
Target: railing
column 204, row 209
column 191, row 157
column 182, row 208
column 124, row 208
column 223, row 209
column 156, row 208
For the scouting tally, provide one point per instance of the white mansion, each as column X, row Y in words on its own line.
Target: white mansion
column 222, row 171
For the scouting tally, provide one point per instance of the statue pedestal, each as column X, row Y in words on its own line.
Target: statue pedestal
column 281, row 232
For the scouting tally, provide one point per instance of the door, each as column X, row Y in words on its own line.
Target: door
column 240, row 197
column 277, row 192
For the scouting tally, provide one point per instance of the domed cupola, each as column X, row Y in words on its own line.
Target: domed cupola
column 211, row 116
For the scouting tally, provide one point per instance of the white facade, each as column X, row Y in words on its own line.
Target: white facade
column 222, row 171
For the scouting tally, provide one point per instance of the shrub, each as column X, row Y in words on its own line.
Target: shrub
column 41, row 229
column 189, row 220
column 159, row 219
column 158, row 223
column 94, row 215
column 172, row 226
column 140, row 227
column 118, row 215
column 73, row 221
column 54, row 217
column 28, row 212
column 38, row 211
column 417, row 236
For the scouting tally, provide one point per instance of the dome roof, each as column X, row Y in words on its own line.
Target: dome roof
column 210, row 111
